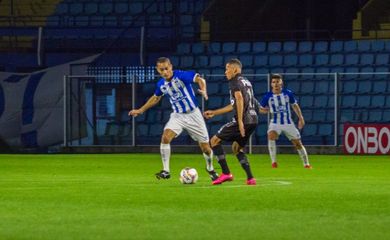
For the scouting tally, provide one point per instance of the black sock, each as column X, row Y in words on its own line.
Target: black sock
column 244, row 164
column 220, row 155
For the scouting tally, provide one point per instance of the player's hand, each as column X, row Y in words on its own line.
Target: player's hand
column 242, row 129
column 204, row 94
column 135, row 112
column 301, row 123
column 208, row 114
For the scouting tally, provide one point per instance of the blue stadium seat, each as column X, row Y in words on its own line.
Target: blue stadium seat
column 363, row 101
column 367, row 59
column 276, row 60
column 306, row 60
column 142, row 129
column 310, row 130
column 322, row 87
column 350, row 46
column 215, row 102
column 228, row 57
column 336, row 59
column 321, row 101
column 75, row 8
column 294, row 86
column 322, row 59
column 325, row 130
column 216, row 61
column 349, row 86
column 218, row 71
column 175, row 60
column 186, row 20
column 135, row 8
column 274, row 47
column 375, row 116
column 90, row 8
column 378, row 45
column 320, row 47
column 290, row 60
column 307, row 114
column 348, row 101
column 306, row 101
column 244, row 47
column 290, row 47
column 214, row 47
column 336, row 46
column 382, row 59
column 351, row 59
column 387, row 48
column 379, row 87
column 259, row 47
column 197, row 48
column 364, row 87
column 378, row 101
column 307, row 73
column 261, row 60
column 293, row 70
column 62, row 9
column 246, row 60
column 202, row 61
column 386, row 113
column 183, row 48
column 364, row 46
column 105, row 8
column 353, row 73
column 305, row 46
column 212, row 88
column 186, row 61
column 262, row 70
column 347, row 115
column 121, row 8
column 229, row 47
column 156, row 129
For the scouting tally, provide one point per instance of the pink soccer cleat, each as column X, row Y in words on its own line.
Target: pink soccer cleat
column 223, row 178
column 274, row 165
column 251, row 181
column 307, row 166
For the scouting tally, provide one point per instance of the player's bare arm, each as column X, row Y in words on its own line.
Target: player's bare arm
column 263, row 110
column 202, row 86
column 301, row 120
column 211, row 113
column 153, row 100
column 240, row 112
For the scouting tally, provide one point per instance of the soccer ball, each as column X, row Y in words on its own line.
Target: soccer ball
column 188, row 175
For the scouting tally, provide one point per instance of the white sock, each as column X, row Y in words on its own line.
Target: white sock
column 165, row 150
column 303, row 155
column 272, row 150
column 209, row 161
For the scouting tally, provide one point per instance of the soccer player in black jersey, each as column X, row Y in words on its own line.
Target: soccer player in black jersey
column 242, row 125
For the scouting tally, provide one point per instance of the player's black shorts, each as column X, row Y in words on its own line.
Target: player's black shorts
column 230, row 132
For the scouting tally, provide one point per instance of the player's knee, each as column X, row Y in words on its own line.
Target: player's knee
column 165, row 139
column 214, row 141
column 205, row 147
column 272, row 136
column 297, row 144
column 236, row 148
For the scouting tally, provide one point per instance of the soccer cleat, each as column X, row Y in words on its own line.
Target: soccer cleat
column 223, row 178
column 274, row 165
column 251, row 181
column 213, row 175
column 307, row 166
column 163, row 175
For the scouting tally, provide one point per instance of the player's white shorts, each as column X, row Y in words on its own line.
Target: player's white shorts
column 289, row 130
column 192, row 122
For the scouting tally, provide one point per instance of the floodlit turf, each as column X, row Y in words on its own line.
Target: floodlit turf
column 117, row 197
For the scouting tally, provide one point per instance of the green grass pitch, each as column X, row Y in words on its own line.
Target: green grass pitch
column 116, row 196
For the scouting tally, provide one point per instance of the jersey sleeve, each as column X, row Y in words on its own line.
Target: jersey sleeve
column 264, row 101
column 187, row 76
column 158, row 91
column 292, row 98
column 235, row 86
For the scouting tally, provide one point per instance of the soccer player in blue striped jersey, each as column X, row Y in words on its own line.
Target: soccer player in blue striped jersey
column 176, row 85
column 278, row 102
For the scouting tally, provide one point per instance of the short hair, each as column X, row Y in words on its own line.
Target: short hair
column 276, row 76
column 235, row 61
column 163, row 60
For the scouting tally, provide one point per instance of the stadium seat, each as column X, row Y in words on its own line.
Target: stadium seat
column 90, row 8
column 349, row 86
column 244, row 47
column 290, row 47
column 322, row 59
column 386, row 113
column 261, row 60
column 382, row 59
column 293, row 86
column 378, row 101
column 336, row 46
column 142, row 129
column 351, row 59
column 321, row 101
column 310, row 130
column 378, row 45
column 364, row 46
column 290, row 60
column 274, row 47
column 350, row 46
column 202, row 61
column 276, row 60
column 75, row 8
column 325, row 129
column 214, row 47
column 364, row 87
column 229, row 47
column 216, row 61
column 305, row 47
column 215, row 102
column 306, row 101
column 246, row 60
column 320, row 47
column 363, row 101
column 259, row 47
column 375, row 116
column 197, row 48
column 321, row 87
column 348, row 101
column 307, row 87
column 213, row 88
column 183, row 48
column 306, row 60
column 367, row 59
column 121, row 8
column 307, row 114
column 187, row 61
column 379, row 87
column 336, row 59
column 105, row 8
